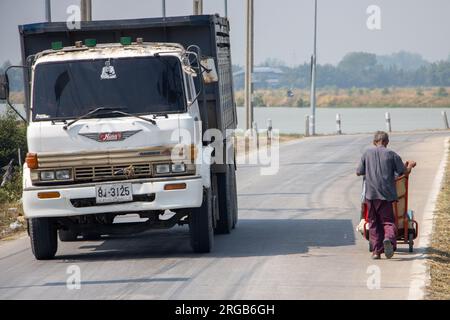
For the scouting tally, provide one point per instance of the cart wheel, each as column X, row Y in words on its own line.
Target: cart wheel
column 411, row 242
column 370, row 247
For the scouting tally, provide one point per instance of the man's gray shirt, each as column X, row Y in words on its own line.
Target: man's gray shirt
column 380, row 165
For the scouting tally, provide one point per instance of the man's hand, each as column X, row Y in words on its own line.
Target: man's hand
column 409, row 165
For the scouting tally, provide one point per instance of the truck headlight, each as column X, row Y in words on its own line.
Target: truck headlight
column 178, row 167
column 162, row 168
column 47, row 175
column 62, row 174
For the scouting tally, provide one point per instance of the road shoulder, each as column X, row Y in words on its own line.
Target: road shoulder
column 420, row 276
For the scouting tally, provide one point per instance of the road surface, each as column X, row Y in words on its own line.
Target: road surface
column 295, row 239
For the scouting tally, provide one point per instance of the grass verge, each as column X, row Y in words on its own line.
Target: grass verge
column 439, row 252
column 432, row 97
column 12, row 220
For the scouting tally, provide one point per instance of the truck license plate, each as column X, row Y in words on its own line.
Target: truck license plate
column 108, row 193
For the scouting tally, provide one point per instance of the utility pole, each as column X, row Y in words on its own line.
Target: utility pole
column 249, row 66
column 163, row 4
column 198, row 7
column 48, row 11
column 86, row 10
column 312, row 121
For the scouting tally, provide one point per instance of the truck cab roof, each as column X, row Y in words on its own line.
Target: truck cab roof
column 109, row 50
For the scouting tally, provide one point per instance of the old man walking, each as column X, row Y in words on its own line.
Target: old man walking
column 380, row 166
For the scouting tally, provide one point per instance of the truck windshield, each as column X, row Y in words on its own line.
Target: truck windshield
column 69, row 89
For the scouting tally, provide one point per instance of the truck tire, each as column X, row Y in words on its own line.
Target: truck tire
column 201, row 225
column 227, row 201
column 67, row 235
column 44, row 239
column 234, row 199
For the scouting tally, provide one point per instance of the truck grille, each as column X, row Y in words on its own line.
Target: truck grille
column 97, row 173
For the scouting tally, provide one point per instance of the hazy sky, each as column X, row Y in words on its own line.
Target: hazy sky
column 283, row 28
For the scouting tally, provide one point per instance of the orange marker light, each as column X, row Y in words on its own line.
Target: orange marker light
column 32, row 160
column 48, row 195
column 193, row 152
column 175, row 186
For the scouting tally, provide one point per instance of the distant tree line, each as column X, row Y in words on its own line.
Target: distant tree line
column 356, row 69
column 367, row 70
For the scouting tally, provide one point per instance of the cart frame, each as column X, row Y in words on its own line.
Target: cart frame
column 409, row 230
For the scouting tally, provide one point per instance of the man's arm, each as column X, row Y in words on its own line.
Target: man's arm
column 361, row 170
column 403, row 168
column 399, row 166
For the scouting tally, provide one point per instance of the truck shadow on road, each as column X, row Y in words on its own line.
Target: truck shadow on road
column 252, row 237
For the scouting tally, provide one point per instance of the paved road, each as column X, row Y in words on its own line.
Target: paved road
column 295, row 239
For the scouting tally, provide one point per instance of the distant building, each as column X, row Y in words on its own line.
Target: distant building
column 263, row 78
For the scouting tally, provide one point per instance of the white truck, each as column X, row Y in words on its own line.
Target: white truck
column 120, row 115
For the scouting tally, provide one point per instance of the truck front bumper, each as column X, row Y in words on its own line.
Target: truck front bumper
column 63, row 206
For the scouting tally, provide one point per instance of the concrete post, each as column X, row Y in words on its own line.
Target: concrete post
column 256, row 134
column 247, row 135
column 19, row 157
column 338, row 123
column 269, row 132
column 307, row 126
column 444, row 116
column 388, row 122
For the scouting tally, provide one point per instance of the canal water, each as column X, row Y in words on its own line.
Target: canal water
column 354, row 120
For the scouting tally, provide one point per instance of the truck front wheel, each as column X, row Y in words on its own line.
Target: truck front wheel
column 44, row 240
column 201, row 225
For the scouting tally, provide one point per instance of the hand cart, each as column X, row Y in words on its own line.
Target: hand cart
column 407, row 227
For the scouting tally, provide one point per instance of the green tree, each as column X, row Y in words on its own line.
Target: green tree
column 402, row 60
column 358, row 61
column 12, row 137
column 258, row 100
column 441, row 92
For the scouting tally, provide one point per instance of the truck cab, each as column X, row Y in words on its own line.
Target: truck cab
column 116, row 128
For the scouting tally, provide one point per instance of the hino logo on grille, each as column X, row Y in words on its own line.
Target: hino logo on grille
column 109, row 136
column 112, row 136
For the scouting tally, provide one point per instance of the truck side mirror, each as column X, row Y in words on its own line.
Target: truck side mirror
column 4, row 90
column 209, row 71
column 4, row 87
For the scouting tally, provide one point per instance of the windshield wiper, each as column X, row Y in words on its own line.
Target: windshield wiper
column 113, row 110
column 87, row 115
column 133, row 115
